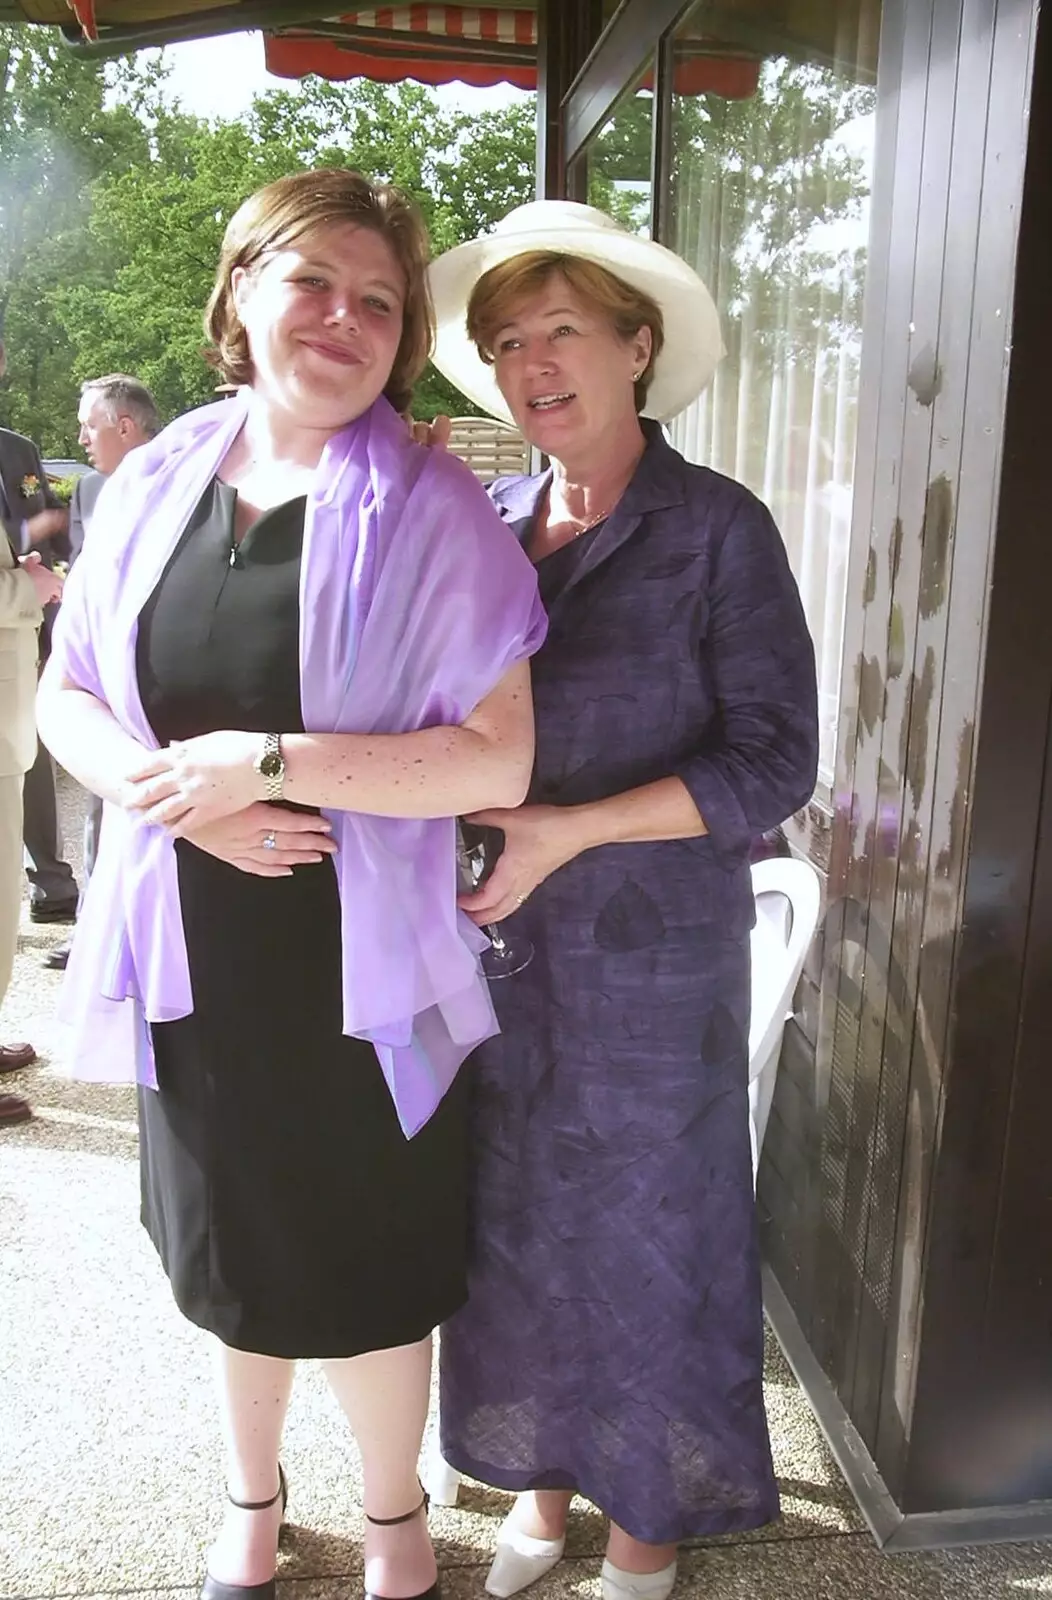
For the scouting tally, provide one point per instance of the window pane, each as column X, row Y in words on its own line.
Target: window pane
column 772, row 134
column 618, row 159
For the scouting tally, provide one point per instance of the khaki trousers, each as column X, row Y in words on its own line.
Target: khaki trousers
column 10, row 874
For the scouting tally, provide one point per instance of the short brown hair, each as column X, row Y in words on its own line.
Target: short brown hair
column 280, row 213
column 503, row 288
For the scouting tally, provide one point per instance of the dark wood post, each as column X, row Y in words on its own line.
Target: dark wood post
column 566, row 31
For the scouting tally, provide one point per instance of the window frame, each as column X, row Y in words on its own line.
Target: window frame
column 642, row 28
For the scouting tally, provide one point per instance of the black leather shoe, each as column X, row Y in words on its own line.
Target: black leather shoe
column 435, row 1591
column 45, row 911
column 57, row 959
column 212, row 1589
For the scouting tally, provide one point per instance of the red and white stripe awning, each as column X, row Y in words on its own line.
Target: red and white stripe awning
column 479, row 45
column 491, row 23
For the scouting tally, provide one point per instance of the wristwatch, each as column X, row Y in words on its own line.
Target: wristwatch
column 270, row 765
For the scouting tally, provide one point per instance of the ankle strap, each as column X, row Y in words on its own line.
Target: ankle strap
column 407, row 1516
column 263, row 1505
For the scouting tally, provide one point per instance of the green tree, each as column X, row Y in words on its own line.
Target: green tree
column 155, row 231
column 619, row 163
column 57, row 134
column 488, row 169
column 113, row 205
column 464, row 172
column 156, row 227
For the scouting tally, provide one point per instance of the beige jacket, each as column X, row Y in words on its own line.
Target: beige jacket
column 20, row 618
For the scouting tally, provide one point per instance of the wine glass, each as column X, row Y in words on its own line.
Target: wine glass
column 508, row 953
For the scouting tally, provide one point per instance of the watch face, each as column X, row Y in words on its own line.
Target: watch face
column 271, row 765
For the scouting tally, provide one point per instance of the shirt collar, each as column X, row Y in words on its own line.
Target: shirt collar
column 656, row 484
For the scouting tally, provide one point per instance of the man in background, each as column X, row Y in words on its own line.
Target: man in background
column 116, row 415
column 29, row 514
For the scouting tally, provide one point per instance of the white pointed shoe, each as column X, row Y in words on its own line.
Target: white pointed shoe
column 520, row 1560
column 618, row 1585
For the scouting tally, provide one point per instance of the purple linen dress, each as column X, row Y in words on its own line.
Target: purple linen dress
column 613, row 1336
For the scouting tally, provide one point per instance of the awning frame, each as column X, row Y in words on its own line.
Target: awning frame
column 259, row 15
column 286, row 17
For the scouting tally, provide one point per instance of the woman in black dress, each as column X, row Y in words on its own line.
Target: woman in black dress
column 292, row 1213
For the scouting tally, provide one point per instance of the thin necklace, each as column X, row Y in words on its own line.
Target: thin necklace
column 588, row 526
column 594, row 522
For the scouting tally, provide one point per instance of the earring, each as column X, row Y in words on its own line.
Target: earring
column 636, row 377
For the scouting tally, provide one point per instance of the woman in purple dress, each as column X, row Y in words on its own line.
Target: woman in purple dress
column 612, row 1343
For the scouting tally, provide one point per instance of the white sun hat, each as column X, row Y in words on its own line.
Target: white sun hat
column 693, row 344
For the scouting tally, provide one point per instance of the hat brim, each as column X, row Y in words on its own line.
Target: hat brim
column 693, row 344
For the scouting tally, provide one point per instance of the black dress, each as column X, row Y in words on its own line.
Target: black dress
column 290, row 1212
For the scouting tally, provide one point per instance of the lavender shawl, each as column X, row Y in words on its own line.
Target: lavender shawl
column 414, row 601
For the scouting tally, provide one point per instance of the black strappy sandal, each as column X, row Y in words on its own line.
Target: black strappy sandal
column 434, row 1592
column 212, row 1589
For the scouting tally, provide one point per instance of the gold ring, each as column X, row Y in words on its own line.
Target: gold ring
column 522, row 898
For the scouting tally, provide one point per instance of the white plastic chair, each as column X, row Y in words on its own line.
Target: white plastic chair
column 788, row 897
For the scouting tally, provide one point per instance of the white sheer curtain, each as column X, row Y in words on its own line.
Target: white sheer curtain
column 769, row 203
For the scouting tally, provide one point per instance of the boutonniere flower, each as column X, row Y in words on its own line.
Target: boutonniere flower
column 30, row 486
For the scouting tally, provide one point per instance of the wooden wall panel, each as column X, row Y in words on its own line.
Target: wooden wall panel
column 970, row 375
column 984, row 1384
column 862, row 871
column 904, row 669
column 566, row 32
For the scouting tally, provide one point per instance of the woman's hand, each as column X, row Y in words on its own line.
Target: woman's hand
column 537, row 841
column 196, row 782
column 435, row 434
column 299, row 837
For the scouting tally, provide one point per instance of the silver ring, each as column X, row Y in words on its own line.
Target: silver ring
column 270, row 841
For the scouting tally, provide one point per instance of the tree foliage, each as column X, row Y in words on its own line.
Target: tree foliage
column 58, row 136
column 113, row 206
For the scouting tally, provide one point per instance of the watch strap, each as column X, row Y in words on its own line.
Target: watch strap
column 272, row 767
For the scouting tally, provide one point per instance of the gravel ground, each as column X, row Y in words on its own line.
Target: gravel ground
column 110, row 1474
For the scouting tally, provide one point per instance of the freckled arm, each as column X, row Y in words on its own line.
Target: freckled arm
column 435, row 772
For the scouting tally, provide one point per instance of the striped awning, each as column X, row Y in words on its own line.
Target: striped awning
column 480, row 45
column 494, row 25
